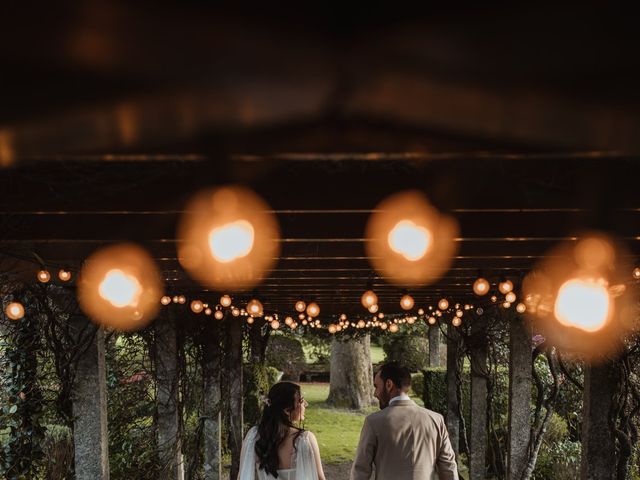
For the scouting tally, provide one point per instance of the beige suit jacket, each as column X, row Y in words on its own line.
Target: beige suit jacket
column 404, row 442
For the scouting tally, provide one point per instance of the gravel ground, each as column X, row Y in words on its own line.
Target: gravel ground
column 337, row 472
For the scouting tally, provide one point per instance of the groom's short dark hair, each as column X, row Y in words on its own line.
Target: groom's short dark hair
column 398, row 374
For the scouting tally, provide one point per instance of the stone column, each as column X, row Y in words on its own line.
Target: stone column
column 598, row 442
column 453, row 417
column 212, row 357
column 167, row 403
column 478, row 447
column 234, row 369
column 434, row 345
column 519, row 397
column 89, row 397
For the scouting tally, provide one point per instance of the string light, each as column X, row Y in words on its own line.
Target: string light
column 332, row 329
column 421, row 311
column 360, row 324
column 368, row 298
column 275, row 324
column 175, row 299
column 207, row 311
column 443, row 304
column 300, row 306
column 182, row 299
column 64, row 275
column 481, row 286
column 407, row 302
column 432, row 320
column 255, row 308
column 165, row 300
column 228, row 238
column 313, row 310
column 505, row 286
column 380, row 315
column 288, row 321
column 459, row 313
column 219, row 315
column 44, row 276
column 393, row 328
column 384, row 325
column 456, row 322
column 510, row 297
column 373, row 308
column 521, row 308
column 235, row 312
column 250, row 320
column 15, row 311
column 506, row 304
column 197, row 306
column 636, row 273
column 225, row 301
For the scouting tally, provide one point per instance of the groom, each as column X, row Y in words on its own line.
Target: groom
column 403, row 441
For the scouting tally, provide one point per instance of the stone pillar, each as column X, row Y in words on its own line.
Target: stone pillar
column 167, row 403
column 519, row 397
column 598, row 442
column 434, row 345
column 212, row 356
column 234, row 369
column 478, row 447
column 89, row 397
column 453, row 417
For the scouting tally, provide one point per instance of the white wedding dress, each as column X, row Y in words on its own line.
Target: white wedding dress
column 303, row 465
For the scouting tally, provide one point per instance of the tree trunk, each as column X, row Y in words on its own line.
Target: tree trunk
column 351, row 374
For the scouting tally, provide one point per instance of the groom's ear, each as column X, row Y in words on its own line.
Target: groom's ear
column 388, row 384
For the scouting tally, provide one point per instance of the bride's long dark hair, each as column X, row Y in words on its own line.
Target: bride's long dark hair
column 275, row 424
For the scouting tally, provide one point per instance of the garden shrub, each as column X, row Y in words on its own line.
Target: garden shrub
column 417, row 384
column 286, row 354
column 434, row 389
column 411, row 350
column 559, row 457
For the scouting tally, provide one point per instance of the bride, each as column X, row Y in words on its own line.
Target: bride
column 277, row 448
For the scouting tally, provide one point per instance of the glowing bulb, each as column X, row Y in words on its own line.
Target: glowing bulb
column 225, row 300
column 409, row 240
column 235, row 312
column 44, row 276
column 250, row 320
column 459, row 313
column 304, row 321
column 480, row 286
column 288, row 321
column 182, row 299
column 15, row 311
column 254, row 307
column 300, row 306
column 432, row 320
column 380, row 315
column 275, row 324
column 393, row 328
column 294, row 325
column 384, row 326
column 636, row 273
column 231, row 241
column 219, row 315
column 175, row 299
column 64, row 275
column 313, row 310
column 584, row 304
column 343, row 316
column 207, row 311
column 368, row 298
column 332, row 329
column 197, row 306
column 505, row 286
column 411, row 320
column 407, row 302
column 361, row 324
column 421, row 311
column 120, row 289
column 506, row 304
column 510, row 297
column 521, row 308
column 494, row 299
column 165, row 300
column 373, row 308
column 456, row 322
column 443, row 304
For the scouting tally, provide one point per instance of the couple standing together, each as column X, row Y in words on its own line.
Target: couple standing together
column 400, row 442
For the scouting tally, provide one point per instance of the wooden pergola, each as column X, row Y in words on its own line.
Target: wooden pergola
column 524, row 138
